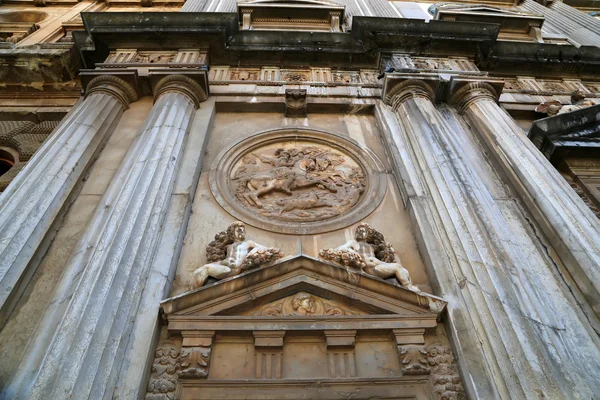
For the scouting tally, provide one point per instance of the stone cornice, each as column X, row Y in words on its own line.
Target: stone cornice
column 114, row 86
column 363, row 47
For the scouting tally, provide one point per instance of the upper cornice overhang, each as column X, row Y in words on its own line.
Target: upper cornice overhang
column 219, row 34
column 575, row 134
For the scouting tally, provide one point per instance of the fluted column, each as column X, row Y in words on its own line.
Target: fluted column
column 570, row 225
column 516, row 328
column 99, row 294
column 39, row 193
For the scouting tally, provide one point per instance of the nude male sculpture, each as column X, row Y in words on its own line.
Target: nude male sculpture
column 371, row 253
column 233, row 254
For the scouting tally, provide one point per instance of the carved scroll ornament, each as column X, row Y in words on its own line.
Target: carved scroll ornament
column 231, row 254
column 369, row 252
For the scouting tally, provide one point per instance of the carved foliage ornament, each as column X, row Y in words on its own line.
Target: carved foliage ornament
column 297, row 181
column 171, row 363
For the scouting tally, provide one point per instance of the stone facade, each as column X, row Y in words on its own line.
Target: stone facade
column 299, row 199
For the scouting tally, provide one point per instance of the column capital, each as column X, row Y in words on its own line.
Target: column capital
column 181, row 84
column 401, row 87
column 464, row 91
column 113, row 86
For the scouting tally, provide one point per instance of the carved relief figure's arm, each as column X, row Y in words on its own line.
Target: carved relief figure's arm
column 252, row 245
column 350, row 245
column 264, row 159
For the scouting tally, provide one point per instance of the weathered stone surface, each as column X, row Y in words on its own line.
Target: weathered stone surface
column 133, row 375
column 36, row 197
column 509, row 306
column 569, row 224
column 86, row 349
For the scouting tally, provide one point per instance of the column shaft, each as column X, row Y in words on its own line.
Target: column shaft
column 570, row 225
column 140, row 352
column 32, row 202
column 87, row 328
column 510, row 332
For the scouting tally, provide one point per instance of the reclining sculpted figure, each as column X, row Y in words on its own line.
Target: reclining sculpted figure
column 231, row 254
column 369, row 252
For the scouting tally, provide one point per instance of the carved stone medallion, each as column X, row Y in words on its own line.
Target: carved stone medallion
column 297, row 181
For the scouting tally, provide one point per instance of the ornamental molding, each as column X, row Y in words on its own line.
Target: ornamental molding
column 183, row 85
column 457, row 90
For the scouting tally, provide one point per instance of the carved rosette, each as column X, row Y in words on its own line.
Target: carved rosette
column 297, row 181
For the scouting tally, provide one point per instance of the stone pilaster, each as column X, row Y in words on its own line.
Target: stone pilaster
column 87, row 329
column 513, row 322
column 567, row 221
column 38, row 196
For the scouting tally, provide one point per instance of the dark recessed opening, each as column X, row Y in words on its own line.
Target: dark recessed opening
column 6, row 162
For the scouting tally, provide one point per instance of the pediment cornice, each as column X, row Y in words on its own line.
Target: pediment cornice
column 239, row 295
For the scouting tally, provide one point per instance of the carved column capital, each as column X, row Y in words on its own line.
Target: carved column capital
column 399, row 90
column 113, row 86
column 180, row 84
column 465, row 92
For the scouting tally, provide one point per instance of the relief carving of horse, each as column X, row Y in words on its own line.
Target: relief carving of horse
column 281, row 179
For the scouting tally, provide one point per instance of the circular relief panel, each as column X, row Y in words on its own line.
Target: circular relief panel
column 297, row 181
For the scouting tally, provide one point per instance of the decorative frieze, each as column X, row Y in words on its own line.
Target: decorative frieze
column 296, row 75
column 543, row 87
column 293, row 76
column 135, row 58
column 433, row 64
column 244, row 74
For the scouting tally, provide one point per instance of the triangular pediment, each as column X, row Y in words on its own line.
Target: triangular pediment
column 482, row 9
column 328, row 290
